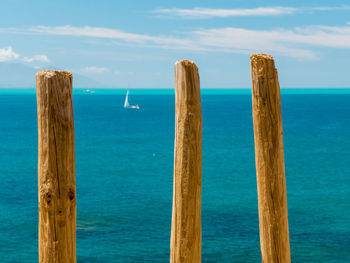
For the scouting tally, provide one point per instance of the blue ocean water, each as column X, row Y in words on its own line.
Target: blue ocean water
column 124, row 170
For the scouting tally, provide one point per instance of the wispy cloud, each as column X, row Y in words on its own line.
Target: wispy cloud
column 298, row 42
column 93, row 69
column 208, row 12
column 7, row 54
column 329, row 8
column 39, row 58
column 98, row 32
column 196, row 13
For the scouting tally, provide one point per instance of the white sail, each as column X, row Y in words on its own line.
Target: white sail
column 126, row 104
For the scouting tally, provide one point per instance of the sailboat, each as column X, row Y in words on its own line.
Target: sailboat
column 126, row 103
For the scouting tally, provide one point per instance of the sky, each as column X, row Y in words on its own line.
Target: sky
column 134, row 44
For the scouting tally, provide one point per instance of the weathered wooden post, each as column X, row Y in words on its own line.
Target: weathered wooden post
column 186, row 236
column 56, row 167
column 269, row 159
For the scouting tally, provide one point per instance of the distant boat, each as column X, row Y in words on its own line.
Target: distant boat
column 127, row 105
column 88, row 91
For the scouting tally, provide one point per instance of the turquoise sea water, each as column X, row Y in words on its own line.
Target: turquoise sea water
column 124, row 165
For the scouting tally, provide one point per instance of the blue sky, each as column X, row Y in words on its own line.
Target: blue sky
column 134, row 44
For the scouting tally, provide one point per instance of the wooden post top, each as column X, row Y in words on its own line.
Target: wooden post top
column 261, row 56
column 52, row 73
column 187, row 84
column 186, row 62
column 262, row 64
column 264, row 78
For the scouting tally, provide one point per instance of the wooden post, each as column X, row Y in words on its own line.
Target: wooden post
column 186, row 236
column 56, row 168
column 269, row 159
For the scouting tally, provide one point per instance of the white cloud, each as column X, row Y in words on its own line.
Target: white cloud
column 39, row 58
column 94, row 69
column 208, row 12
column 100, row 32
column 247, row 41
column 237, row 40
column 259, row 11
column 87, row 31
column 296, row 42
column 329, row 8
column 7, row 54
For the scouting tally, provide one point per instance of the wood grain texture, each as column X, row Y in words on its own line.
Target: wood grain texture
column 186, row 230
column 56, row 168
column 269, row 159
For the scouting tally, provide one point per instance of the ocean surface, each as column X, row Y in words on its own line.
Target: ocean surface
column 124, row 173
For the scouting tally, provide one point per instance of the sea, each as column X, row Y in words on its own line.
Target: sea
column 124, row 175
